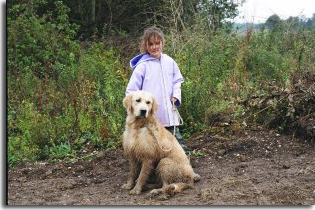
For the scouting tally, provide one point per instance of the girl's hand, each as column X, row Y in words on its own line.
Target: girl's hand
column 174, row 100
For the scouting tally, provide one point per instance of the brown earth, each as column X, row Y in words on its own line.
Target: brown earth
column 251, row 167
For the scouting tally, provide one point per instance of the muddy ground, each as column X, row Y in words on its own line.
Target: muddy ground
column 252, row 167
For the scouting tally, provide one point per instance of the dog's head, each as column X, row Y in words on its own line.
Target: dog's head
column 140, row 104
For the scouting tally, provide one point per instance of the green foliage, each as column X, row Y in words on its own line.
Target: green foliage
column 263, row 59
column 64, row 95
column 218, row 12
column 273, row 22
column 207, row 64
column 224, row 68
column 60, row 151
column 199, row 153
column 102, row 90
column 37, row 43
column 114, row 17
column 29, row 132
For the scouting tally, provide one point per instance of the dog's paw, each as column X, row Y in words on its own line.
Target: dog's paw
column 127, row 186
column 155, row 192
column 135, row 191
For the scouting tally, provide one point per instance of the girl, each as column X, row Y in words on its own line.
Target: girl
column 157, row 73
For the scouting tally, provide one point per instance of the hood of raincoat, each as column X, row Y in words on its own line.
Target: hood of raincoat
column 139, row 59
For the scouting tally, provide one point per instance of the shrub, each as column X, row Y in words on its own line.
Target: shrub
column 29, row 132
column 60, row 94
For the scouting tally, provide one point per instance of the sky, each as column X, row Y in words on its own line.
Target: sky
column 257, row 11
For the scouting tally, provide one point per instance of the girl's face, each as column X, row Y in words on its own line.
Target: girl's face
column 154, row 47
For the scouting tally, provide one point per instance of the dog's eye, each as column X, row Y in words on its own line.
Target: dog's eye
column 138, row 100
column 148, row 102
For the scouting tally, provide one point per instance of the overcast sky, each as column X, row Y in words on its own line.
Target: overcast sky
column 258, row 11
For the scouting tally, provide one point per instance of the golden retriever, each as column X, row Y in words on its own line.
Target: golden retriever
column 151, row 148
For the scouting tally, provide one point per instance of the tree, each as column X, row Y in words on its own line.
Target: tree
column 217, row 12
column 273, row 22
column 310, row 23
column 107, row 17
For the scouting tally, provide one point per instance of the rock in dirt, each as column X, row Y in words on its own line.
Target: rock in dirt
column 286, row 166
column 221, row 152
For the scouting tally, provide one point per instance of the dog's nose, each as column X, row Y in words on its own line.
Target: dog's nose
column 143, row 113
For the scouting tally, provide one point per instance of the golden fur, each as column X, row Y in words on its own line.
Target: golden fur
column 151, row 148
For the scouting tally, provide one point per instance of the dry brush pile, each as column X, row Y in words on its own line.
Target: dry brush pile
column 290, row 110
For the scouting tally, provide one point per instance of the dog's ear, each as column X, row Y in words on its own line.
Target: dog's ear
column 154, row 105
column 127, row 102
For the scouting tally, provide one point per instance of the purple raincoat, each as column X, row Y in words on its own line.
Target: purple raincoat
column 162, row 78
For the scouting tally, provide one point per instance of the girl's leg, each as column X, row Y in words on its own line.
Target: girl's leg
column 179, row 137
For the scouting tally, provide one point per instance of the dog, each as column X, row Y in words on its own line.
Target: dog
column 151, row 148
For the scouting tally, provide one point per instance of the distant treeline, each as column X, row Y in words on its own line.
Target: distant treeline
column 274, row 22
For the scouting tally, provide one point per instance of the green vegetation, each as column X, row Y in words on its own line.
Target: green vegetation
column 65, row 94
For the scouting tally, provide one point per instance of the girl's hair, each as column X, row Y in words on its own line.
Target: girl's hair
column 148, row 33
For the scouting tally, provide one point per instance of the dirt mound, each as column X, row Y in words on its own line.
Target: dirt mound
column 252, row 167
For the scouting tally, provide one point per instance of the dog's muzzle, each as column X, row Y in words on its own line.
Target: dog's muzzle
column 143, row 113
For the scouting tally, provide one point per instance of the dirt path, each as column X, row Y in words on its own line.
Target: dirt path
column 249, row 168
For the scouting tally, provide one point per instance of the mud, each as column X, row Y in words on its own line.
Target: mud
column 251, row 167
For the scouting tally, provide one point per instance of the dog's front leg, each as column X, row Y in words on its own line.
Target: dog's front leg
column 132, row 174
column 146, row 168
